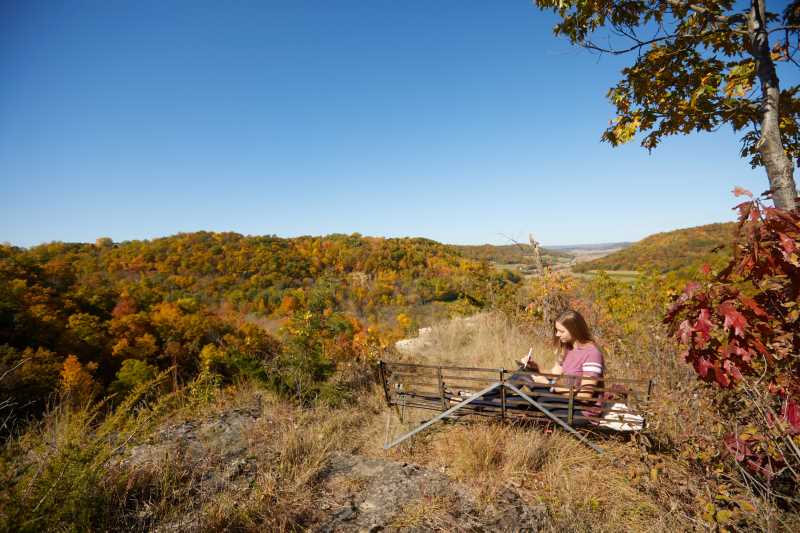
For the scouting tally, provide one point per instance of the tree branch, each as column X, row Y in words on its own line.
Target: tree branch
column 638, row 45
column 730, row 20
column 785, row 28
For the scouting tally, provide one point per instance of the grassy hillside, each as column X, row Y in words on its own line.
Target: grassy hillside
column 241, row 458
column 679, row 250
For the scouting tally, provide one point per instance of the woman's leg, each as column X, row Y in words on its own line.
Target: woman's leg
column 518, row 379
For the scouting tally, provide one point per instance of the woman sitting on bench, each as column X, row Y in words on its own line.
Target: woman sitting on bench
column 580, row 360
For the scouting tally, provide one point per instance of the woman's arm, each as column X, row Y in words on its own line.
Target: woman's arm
column 556, row 370
column 584, row 390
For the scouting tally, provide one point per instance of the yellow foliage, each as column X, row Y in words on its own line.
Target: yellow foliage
column 210, row 355
column 121, row 348
column 146, row 345
column 404, row 321
column 76, row 380
column 166, row 313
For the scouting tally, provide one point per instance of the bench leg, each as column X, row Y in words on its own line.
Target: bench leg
column 442, row 416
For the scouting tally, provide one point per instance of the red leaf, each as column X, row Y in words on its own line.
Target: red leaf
column 706, row 269
column 721, row 377
column 745, row 354
column 753, row 306
column 788, row 244
column 739, row 448
column 702, row 365
column 791, row 413
column 739, row 191
column 733, row 349
column 786, row 217
column 733, row 318
column 703, row 326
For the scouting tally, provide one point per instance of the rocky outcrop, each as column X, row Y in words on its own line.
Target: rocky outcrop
column 354, row 492
column 369, row 494
column 424, row 338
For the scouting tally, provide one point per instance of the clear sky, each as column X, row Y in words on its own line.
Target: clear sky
column 461, row 121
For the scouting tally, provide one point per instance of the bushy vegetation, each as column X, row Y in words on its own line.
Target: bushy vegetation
column 96, row 318
column 741, row 331
column 683, row 251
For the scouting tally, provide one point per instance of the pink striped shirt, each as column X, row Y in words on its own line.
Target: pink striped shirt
column 586, row 361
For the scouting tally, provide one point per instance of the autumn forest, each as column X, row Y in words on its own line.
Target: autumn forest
column 100, row 318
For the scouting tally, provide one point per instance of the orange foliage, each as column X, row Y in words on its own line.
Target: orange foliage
column 76, row 380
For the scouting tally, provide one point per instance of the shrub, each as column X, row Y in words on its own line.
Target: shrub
column 132, row 373
column 741, row 331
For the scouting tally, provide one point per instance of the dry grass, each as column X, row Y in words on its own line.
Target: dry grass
column 487, row 340
column 618, row 491
column 631, row 487
column 625, row 489
column 291, row 448
column 432, row 513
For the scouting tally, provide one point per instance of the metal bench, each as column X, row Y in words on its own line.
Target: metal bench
column 489, row 392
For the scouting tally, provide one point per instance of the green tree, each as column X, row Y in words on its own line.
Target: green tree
column 133, row 372
column 699, row 64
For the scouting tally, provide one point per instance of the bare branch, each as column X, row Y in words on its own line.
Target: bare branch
column 591, row 46
column 785, row 28
column 640, row 44
column 729, row 20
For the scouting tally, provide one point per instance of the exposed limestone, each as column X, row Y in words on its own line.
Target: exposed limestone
column 424, row 338
column 355, row 492
column 367, row 494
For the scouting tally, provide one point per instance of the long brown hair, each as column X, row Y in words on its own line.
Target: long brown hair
column 573, row 322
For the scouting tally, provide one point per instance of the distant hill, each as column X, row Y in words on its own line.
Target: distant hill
column 506, row 253
column 679, row 250
column 569, row 248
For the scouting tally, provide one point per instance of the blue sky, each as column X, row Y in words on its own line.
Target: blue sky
column 463, row 122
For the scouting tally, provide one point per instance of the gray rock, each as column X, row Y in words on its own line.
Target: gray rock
column 397, row 496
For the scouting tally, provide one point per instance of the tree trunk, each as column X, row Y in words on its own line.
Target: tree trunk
column 778, row 165
column 537, row 255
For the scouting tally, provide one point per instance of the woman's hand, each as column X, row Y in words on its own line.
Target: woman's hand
column 528, row 363
column 532, row 365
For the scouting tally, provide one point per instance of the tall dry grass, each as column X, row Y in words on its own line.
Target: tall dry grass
column 646, row 483
column 71, row 471
column 624, row 489
column 488, row 340
column 54, row 475
column 66, row 472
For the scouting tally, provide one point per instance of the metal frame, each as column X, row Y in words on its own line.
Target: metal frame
column 436, row 378
column 503, row 385
column 441, row 416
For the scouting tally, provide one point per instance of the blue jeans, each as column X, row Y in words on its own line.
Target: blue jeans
column 534, row 391
column 524, row 379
